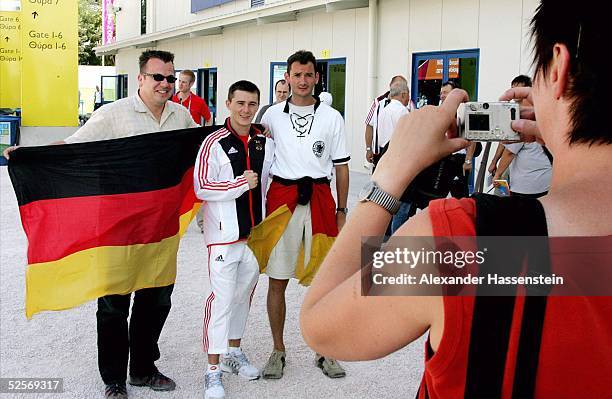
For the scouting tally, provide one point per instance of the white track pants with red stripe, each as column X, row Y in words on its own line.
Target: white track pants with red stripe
column 233, row 273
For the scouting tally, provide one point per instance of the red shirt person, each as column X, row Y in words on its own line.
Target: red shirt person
column 194, row 103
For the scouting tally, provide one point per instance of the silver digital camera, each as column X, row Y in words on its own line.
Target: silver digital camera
column 487, row 121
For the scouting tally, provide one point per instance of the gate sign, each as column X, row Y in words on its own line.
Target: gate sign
column 50, row 46
column 10, row 59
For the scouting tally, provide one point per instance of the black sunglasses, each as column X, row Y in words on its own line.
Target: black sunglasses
column 158, row 77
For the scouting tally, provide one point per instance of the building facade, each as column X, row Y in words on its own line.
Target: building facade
column 360, row 44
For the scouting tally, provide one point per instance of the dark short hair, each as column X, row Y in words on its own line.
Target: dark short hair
column 242, row 85
column 451, row 84
column 303, row 57
column 188, row 72
column 165, row 56
column 523, row 80
column 280, row 81
column 583, row 30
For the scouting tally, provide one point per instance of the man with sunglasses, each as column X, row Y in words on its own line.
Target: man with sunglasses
column 147, row 111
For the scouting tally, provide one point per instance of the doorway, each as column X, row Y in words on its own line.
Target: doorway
column 206, row 85
column 430, row 70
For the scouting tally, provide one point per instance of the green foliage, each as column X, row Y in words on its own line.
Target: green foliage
column 90, row 31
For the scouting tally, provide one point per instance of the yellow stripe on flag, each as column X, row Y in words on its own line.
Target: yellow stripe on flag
column 320, row 246
column 187, row 217
column 96, row 272
column 266, row 235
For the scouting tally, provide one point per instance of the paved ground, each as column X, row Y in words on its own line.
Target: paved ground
column 63, row 344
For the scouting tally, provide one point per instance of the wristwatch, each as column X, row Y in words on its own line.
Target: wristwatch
column 343, row 210
column 371, row 192
column 468, row 161
column 368, row 148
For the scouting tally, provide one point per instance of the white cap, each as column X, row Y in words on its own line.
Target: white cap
column 326, row 98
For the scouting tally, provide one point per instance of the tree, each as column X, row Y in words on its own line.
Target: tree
column 90, row 32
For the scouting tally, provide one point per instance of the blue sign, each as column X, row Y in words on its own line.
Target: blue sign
column 199, row 5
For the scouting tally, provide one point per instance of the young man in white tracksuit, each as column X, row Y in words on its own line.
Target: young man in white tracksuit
column 230, row 176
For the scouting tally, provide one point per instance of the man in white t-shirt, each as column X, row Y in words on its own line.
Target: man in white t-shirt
column 310, row 145
column 399, row 97
column 371, row 121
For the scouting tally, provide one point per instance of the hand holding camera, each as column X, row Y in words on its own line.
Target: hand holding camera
column 526, row 126
column 420, row 140
column 488, row 121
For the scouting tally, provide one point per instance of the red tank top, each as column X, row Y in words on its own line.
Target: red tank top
column 576, row 353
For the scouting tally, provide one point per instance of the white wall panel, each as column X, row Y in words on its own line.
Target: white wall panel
column 284, row 44
column 128, row 20
column 459, row 24
column 304, row 34
column 394, row 43
column 241, row 55
column 500, row 46
column 268, row 54
column 254, row 61
column 322, row 35
column 529, row 8
column 357, row 96
column 227, row 69
column 425, row 25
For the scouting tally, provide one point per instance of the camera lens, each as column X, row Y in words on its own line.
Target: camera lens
column 485, row 105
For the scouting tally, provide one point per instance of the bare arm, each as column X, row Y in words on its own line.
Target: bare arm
column 496, row 158
column 467, row 167
column 338, row 321
column 342, row 185
column 334, row 306
column 506, row 159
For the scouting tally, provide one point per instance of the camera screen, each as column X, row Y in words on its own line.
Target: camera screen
column 479, row 122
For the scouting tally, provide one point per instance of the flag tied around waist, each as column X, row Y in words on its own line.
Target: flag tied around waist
column 104, row 217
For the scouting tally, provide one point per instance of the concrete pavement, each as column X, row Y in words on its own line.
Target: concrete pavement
column 63, row 344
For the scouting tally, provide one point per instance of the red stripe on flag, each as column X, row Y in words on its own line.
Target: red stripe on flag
column 60, row 227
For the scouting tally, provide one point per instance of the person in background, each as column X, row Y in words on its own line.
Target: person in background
column 519, row 81
column 281, row 92
column 399, row 96
column 97, row 98
column 195, row 104
column 371, row 120
column 326, row 98
column 197, row 108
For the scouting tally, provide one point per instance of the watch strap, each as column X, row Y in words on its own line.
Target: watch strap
column 384, row 199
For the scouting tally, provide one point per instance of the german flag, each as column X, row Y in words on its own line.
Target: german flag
column 280, row 204
column 104, row 217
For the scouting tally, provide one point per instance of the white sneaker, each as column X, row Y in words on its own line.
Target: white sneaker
column 237, row 363
column 213, row 387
